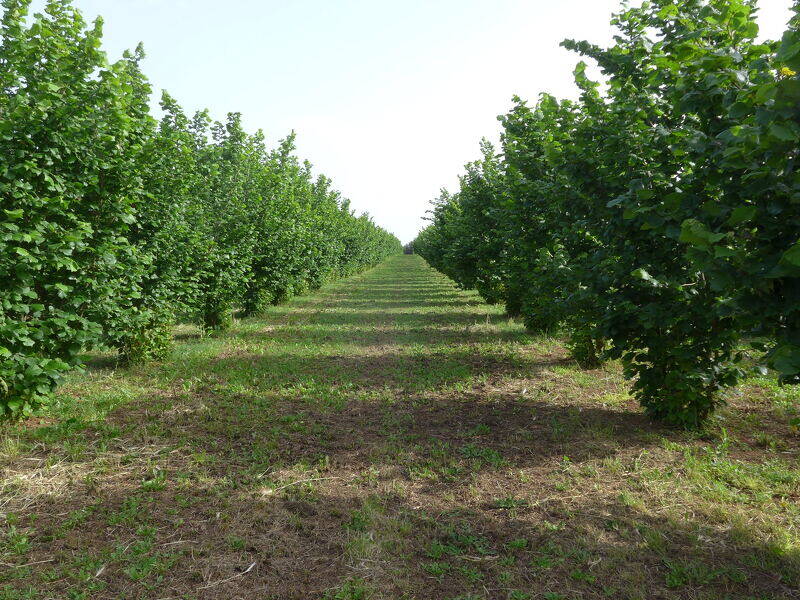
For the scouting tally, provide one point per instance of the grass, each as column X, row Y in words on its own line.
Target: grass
column 389, row 437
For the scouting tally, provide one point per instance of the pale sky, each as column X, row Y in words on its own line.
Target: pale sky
column 388, row 98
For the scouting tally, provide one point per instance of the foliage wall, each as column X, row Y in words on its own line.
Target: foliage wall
column 114, row 226
column 656, row 219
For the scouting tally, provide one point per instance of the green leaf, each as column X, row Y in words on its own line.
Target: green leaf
column 672, row 201
column 645, row 276
column 645, row 194
column 792, row 255
column 695, row 233
column 615, row 202
column 785, row 359
column 742, row 214
column 724, row 252
column 789, row 49
column 783, row 132
column 739, row 110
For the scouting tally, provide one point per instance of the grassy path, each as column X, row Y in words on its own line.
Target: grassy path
column 391, row 437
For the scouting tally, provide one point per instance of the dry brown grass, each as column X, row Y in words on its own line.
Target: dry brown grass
column 391, row 437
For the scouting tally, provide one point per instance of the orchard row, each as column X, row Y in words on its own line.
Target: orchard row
column 656, row 219
column 114, row 226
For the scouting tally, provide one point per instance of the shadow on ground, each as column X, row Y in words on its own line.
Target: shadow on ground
column 386, row 438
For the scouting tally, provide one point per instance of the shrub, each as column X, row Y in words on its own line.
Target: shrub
column 657, row 221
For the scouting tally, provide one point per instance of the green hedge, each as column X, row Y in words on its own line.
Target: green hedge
column 114, row 226
column 657, row 218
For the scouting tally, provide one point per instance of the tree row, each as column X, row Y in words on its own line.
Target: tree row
column 655, row 219
column 114, row 226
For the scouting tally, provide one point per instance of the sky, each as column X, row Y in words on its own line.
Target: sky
column 388, row 98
